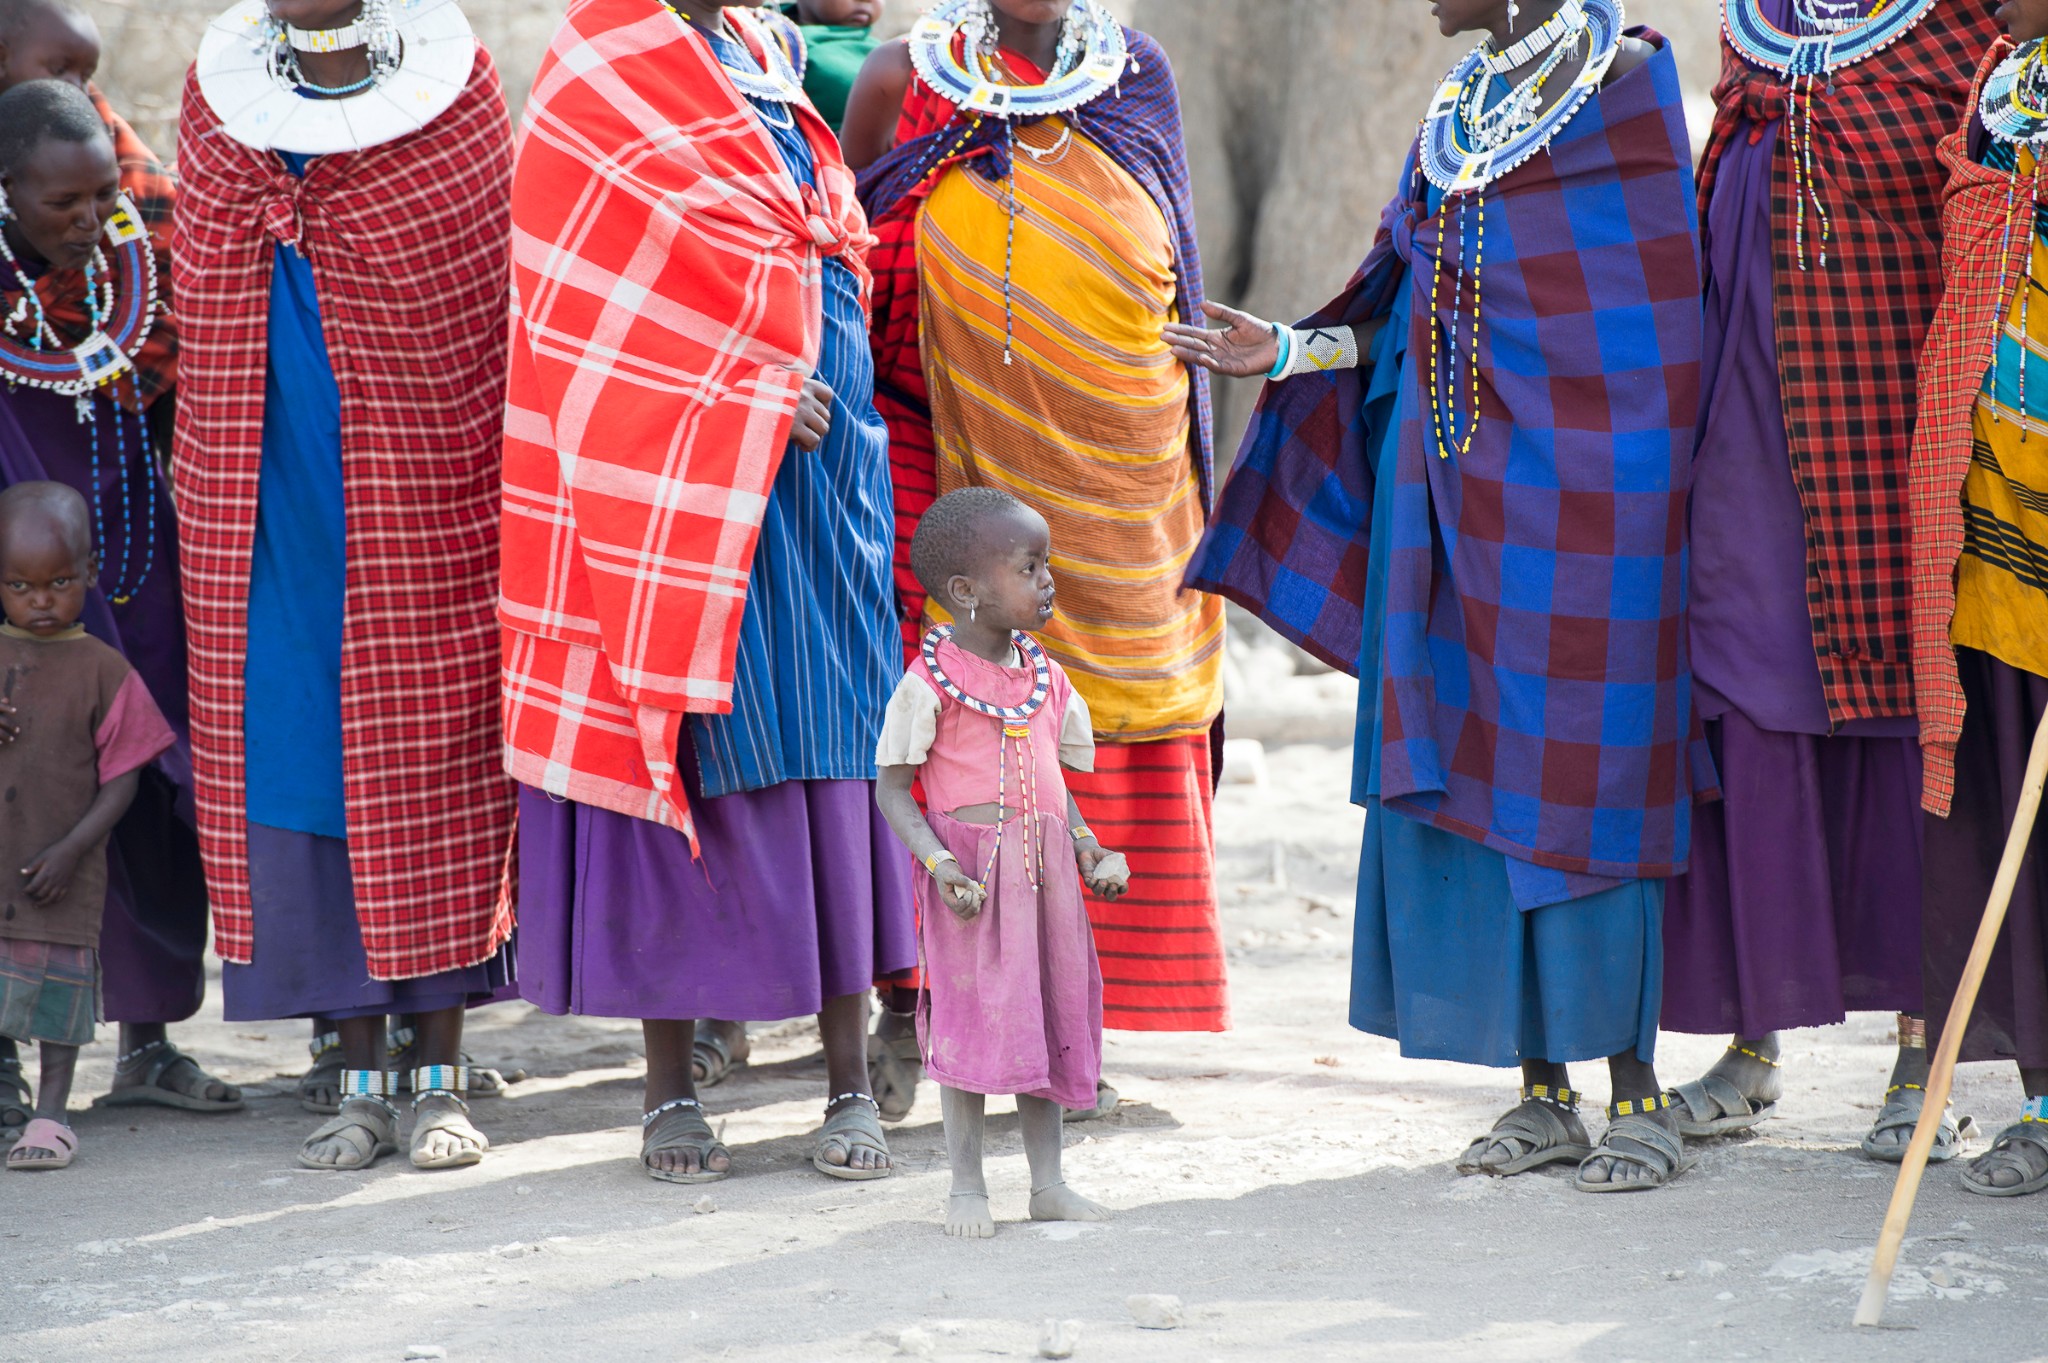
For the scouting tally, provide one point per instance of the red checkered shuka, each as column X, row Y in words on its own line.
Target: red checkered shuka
column 1849, row 334
column 408, row 245
column 668, row 277
column 1987, row 224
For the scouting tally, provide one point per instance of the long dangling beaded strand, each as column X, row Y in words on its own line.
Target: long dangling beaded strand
column 1443, row 393
column 117, row 589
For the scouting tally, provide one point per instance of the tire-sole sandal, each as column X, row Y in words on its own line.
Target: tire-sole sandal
column 1106, row 1100
column 2028, row 1131
column 42, row 1134
column 450, row 1082
column 366, row 1124
column 1543, row 1129
column 323, row 1075
column 895, row 1069
column 711, row 1057
column 160, row 1058
column 855, row 1125
column 679, row 1124
column 1901, row 1114
column 15, row 1113
column 1653, row 1147
column 1712, row 1106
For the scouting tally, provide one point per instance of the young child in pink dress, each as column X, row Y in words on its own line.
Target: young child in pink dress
column 1012, row 1000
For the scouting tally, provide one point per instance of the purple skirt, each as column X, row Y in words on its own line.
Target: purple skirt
column 1802, row 903
column 2011, row 1017
column 802, row 895
column 308, row 959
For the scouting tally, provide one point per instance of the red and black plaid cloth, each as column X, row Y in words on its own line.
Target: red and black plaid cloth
column 1849, row 334
column 409, row 242
column 154, row 192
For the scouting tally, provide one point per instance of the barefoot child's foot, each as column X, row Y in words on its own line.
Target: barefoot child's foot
column 1061, row 1203
column 1739, row 1092
column 967, row 1216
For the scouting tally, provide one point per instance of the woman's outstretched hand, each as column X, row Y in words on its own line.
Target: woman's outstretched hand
column 1242, row 347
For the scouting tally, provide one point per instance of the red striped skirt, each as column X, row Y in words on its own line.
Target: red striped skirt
column 1161, row 945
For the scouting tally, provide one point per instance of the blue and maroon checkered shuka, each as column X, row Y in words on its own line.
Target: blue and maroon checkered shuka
column 1535, row 687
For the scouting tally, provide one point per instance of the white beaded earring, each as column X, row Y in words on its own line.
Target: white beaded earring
column 1514, row 13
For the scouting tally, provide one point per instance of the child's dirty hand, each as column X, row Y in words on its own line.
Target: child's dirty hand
column 963, row 894
column 47, row 877
column 10, row 727
column 1103, row 871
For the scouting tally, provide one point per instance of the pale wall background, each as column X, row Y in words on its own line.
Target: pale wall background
column 1298, row 114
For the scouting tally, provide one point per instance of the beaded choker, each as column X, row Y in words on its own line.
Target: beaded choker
column 1093, row 52
column 344, row 39
column 1551, row 32
column 1027, row 648
column 1459, row 158
column 1832, row 34
column 2014, row 103
column 121, row 303
column 778, row 83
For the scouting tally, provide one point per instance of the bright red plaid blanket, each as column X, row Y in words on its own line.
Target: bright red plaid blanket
column 1849, row 335
column 407, row 241
column 668, row 278
column 1987, row 239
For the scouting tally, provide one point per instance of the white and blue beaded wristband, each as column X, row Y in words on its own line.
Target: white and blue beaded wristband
column 1284, row 335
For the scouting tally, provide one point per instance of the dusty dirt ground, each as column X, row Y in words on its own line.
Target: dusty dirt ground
column 1289, row 1181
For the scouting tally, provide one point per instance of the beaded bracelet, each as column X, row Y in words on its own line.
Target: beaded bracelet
column 1318, row 350
column 1284, row 339
column 1082, row 832
column 931, row 863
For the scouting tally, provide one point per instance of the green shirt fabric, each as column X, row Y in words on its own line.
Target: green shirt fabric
column 835, row 56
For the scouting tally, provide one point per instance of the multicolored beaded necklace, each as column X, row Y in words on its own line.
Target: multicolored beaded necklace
column 121, row 303
column 777, row 83
column 1015, row 743
column 1092, row 57
column 2014, row 110
column 1468, row 140
column 1833, row 34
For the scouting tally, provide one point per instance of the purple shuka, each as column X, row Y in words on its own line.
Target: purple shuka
column 1536, row 693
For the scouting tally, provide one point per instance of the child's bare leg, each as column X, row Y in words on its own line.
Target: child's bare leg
column 53, row 1095
column 967, row 1211
column 1051, row 1198
column 443, row 1135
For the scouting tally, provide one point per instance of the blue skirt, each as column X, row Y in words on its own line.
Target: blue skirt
column 1446, row 964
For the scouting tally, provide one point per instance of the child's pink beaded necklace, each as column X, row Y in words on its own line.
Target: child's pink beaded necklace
column 1016, row 739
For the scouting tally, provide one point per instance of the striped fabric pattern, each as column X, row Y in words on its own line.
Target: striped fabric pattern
column 1161, row 945
column 667, row 305
column 1985, row 212
column 816, row 658
column 407, row 241
column 1084, row 415
column 1536, row 690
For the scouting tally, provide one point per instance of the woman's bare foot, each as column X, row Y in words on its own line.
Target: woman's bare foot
column 1061, row 1203
column 967, row 1216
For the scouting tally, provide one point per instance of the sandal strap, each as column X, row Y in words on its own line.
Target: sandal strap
column 1735, row 1048
column 1662, row 1150
column 1554, row 1094
column 1538, row 1127
column 1635, row 1107
column 323, row 1043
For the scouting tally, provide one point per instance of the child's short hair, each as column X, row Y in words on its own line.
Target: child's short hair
column 39, row 111
column 945, row 541
column 56, row 506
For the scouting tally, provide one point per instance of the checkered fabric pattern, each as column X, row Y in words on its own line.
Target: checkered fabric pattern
column 407, row 241
column 154, row 192
column 1849, row 335
column 1987, row 238
column 1536, row 692
column 1139, row 125
column 668, row 302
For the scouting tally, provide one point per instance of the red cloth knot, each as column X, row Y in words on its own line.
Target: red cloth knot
column 281, row 215
column 1764, row 96
column 828, row 236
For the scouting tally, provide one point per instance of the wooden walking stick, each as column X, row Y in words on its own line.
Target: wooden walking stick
column 1941, row 1074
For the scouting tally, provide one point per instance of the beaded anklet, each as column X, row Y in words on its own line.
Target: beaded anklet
column 1761, row 1059
column 370, row 1085
column 2034, row 1109
column 648, row 1117
column 1912, row 1032
column 122, row 1062
column 1631, row 1107
column 441, row 1081
column 1555, row 1095
column 836, row 1099
column 323, row 1043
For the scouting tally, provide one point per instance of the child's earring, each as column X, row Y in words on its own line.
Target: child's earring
column 970, row 614
column 1514, row 13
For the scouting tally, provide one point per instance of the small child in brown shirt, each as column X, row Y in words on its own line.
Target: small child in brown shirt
column 87, row 727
